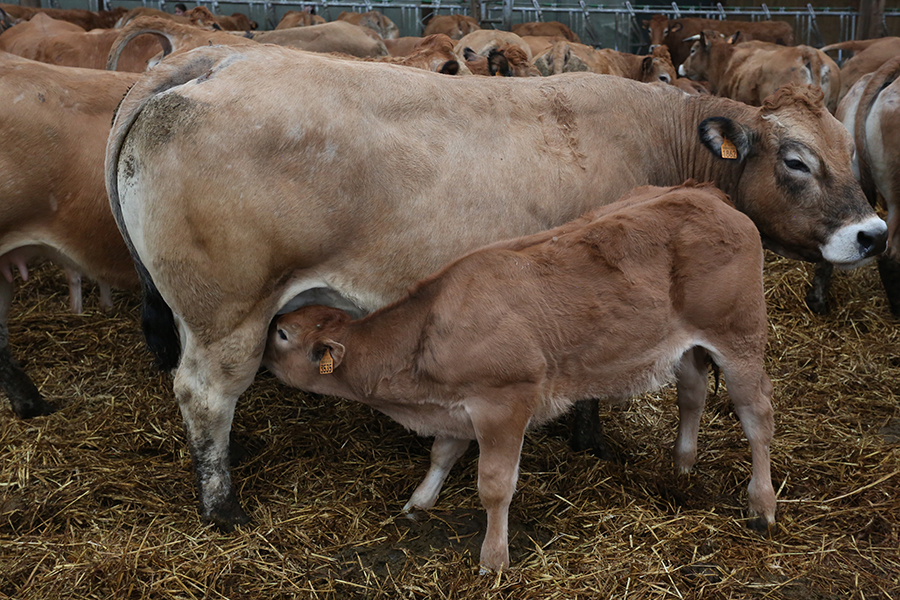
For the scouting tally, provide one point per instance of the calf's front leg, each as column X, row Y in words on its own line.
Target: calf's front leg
column 444, row 453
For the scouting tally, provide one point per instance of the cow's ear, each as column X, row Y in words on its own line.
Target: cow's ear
column 498, row 65
column 451, row 67
column 734, row 39
column 646, row 64
column 646, row 24
column 726, row 139
column 675, row 27
column 329, row 354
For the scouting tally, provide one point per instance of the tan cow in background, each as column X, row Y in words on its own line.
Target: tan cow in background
column 453, row 26
column 564, row 57
column 751, row 71
column 675, row 33
column 52, row 200
column 373, row 20
column 298, row 18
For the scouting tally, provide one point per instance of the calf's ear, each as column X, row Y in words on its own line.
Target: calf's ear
column 329, row 354
column 726, row 139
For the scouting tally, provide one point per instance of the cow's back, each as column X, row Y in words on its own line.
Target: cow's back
column 357, row 188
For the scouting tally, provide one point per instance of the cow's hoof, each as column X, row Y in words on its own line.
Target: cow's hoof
column 760, row 525
column 37, row 407
column 816, row 303
column 228, row 516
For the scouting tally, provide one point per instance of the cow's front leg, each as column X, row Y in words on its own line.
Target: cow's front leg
column 23, row 395
column 208, row 382
column 817, row 296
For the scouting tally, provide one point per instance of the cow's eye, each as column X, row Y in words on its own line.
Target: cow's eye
column 664, row 78
column 796, row 165
column 282, row 334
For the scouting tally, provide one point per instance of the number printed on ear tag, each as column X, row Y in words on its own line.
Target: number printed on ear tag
column 728, row 149
column 326, row 365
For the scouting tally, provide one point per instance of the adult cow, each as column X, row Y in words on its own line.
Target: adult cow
column 868, row 56
column 674, row 32
column 373, row 20
column 567, row 57
column 871, row 112
column 86, row 19
column 751, row 71
column 52, row 199
column 374, row 176
column 454, row 26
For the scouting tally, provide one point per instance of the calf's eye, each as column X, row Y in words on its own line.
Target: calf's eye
column 282, row 334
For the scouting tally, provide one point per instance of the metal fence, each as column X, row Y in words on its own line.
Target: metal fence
column 617, row 26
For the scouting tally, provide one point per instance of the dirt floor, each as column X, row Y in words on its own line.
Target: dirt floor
column 97, row 500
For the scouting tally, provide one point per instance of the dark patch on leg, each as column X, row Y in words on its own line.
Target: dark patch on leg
column 225, row 511
column 817, row 296
column 23, row 395
column 889, row 270
column 587, row 430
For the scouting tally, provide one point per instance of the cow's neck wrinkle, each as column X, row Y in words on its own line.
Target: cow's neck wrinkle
column 696, row 161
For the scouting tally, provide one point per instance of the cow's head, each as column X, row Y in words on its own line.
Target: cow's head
column 658, row 26
column 795, row 181
column 696, row 65
column 658, row 67
column 559, row 58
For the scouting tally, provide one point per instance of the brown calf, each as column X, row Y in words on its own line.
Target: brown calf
column 613, row 304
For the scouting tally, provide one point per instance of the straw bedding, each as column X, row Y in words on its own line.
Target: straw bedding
column 97, row 500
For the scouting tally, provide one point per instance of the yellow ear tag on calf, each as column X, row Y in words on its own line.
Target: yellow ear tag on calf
column 728, row 149
column 326, row 365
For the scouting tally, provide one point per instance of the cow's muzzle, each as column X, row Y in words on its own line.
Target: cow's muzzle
column 852, row 245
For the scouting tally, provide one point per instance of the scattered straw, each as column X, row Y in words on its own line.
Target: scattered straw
column 96, row 501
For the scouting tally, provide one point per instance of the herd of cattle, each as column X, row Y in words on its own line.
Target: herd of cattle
column 296, row 198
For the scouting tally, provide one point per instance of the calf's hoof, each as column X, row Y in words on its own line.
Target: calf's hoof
column 760, row 525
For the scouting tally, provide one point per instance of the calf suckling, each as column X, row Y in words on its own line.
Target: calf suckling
column 613, row 304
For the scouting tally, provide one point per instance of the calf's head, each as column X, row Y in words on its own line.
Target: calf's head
column 795, row 179
column 302, row 345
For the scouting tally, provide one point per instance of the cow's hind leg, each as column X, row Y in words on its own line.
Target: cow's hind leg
column 23, row 395
column 691, row 385
column 444, row 453
column 751, row 393
column 208, row 382
column 587, row 430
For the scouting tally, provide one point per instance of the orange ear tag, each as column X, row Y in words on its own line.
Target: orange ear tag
column 728, row 149
column 326, row 365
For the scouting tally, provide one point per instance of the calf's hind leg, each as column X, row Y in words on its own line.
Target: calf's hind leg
column 691, row 386
column 208, row 382
column 751, row 393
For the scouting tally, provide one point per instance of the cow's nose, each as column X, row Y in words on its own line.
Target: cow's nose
column 872, row 243
column 653, row 47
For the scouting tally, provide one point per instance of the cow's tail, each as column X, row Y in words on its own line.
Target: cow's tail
column 157, row 26
column 158, row 320
column 883, row 77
